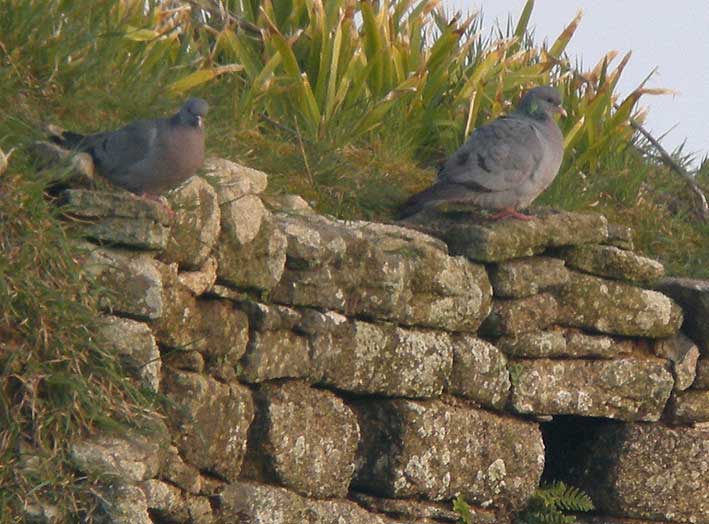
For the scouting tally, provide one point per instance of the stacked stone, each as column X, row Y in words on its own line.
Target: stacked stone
column 585, row 338
column 320, row 371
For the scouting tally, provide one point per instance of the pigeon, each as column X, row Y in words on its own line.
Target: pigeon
column 505, row 164
column 147, row 157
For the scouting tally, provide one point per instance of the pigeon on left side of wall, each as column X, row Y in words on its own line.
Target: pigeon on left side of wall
column 147, row 157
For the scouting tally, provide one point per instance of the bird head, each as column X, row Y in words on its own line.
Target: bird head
column 192, row 113
column 541, row 102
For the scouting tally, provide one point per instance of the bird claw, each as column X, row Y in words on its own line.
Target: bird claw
column 162, row 202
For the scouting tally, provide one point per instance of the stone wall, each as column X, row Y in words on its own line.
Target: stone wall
column 322, row 371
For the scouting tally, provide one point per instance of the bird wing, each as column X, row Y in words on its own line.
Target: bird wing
column 116, row 151
column 497, row 157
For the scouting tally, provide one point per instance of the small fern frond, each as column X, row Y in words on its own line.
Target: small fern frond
column 560, row 496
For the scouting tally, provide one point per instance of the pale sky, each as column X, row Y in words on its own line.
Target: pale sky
column 672, row 36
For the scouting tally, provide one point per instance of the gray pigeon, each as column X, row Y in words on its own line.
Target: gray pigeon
column 505, row 164
column 147, row 157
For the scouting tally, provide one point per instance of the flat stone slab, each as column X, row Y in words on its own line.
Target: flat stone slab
column 683, row 353
column 569, row 343
column 136, row 347
column 232, row 181
column 377, row 358
column 479, row 372
column 495, row 241
column 119, row 218
column 209, row 421
column 612, row 262
column 649, row 471
column 436, row 451
column 251, row 251
column 689, row 407
column 628, row 388
column 693, row 296
column 252, row 503
column 412, row 510
column 520, row 315
column 134, row 282
column 302, row 438
column 196, row 224
column 130, row 458
column 379, row 271
column 212, row 327
column 525, row 277
column 616, row 308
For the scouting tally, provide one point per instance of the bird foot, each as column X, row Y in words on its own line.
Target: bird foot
column 162, row 202
column 511, row 212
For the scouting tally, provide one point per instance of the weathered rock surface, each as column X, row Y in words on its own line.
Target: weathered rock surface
column 479, row 372
column 195, row 228
column 683, row 353
column 562, row 343
column 413, row 510
column 213, row 327
column 200, row 280
column 209, row 421
column 594, row 303
column 494, row 241
column 520, row 315
column 118, row 217
column 436, row 451
column 620, row 236
column 379, row 271
column 364, row 357
column 693, row 296
column 134, row 282
column 128, row 458
column 177, row 472
column 627, row 388
column 687, row 407
column 525, row 277
column 165, row 501
column 232, row 181
column 702, row 378
column 649, row 471
column 612, row 262
column 136, row 347
column 302, row 438
column 122, row 503
column 251, row 251
column 274, row 350
column 251, row 503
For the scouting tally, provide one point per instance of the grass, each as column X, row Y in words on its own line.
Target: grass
column 90, row 65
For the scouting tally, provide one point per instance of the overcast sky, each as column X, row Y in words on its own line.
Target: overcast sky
column 672, row 36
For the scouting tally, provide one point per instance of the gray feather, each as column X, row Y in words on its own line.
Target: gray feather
column 504, row 164
column 148, row 156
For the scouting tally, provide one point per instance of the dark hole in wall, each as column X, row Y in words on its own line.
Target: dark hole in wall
column 568, row 441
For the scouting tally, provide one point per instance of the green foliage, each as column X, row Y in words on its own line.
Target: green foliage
column 548, row 504
column 57, row 380
column 463, row 510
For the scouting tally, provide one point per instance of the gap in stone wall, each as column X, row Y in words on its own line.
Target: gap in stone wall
column 568, row 441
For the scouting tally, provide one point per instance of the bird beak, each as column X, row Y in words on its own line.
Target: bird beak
column 562, row 112
column 200, row 121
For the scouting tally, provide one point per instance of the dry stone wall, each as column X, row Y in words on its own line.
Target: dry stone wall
column 321, row 371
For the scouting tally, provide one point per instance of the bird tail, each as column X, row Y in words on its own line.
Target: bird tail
column 69, row 140
column 438, row 192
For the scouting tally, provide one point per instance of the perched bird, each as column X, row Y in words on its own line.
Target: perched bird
column 505, row 164
column 147, row 157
